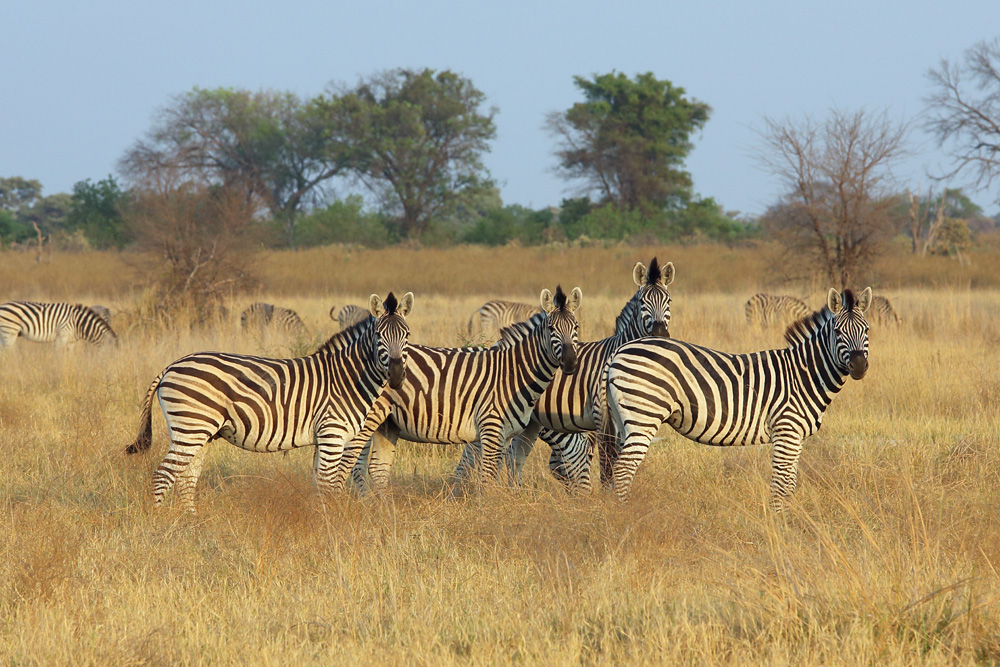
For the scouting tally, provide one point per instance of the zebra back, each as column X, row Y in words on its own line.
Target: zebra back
column 62, row 323
column 493, row 316
column 349, row 315
column 885, row 314
column 263, row 315
column 769, row 309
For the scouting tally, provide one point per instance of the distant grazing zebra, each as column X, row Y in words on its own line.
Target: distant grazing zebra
column 884, row 312
column 463, row 395
column 774, row 396
column 567, row 409
column 493, row 316
column 264, row 315
column 769, row 309
column 349, row 315
column 268, row 405
column 62, row 323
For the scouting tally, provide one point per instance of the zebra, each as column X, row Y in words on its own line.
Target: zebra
column 268, row 405
column 883, row 311
column 103, row 312
column 262, row 315
column 565, row 416
column 63, row 323
column 463, row 395
column 769, row 309
column 493, row 316
column 349, row 314
column 773, row 396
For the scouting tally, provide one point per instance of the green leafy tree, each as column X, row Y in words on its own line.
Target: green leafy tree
column 97, row 211
column 417, row 138
column 19, row 194
column 270, row 146
column 343, row 221
column 627, row 141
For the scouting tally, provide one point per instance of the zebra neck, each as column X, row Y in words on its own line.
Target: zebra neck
column 628, row 326
column 817, row 367
column 531, row 356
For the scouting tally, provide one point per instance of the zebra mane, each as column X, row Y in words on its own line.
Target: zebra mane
column 515, row 333
column 390, row 304
column 559, row 300
column 807, row 327
column 627, row 315
column 653, row 273
column 343, row 339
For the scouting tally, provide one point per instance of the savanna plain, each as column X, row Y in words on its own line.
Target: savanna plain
column 888, row 554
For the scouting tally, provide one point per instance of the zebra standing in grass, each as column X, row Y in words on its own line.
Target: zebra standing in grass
column 883, row 311
column 774, row 396
column 565, row 414
column 62, row 323
column 463, row 395
column 103, row 312
column 770, row 309
column 349, row 315
column 268, row 405
column 262, row 315
column 493, row 316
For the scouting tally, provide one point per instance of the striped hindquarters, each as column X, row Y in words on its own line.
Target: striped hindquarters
column 493, row 316
column 263, row 315
column 769, row 309
column 349, row 315
column 884, row 312
column 62, row 323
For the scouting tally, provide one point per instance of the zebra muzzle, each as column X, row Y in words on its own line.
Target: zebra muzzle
column 397, row 373
column 660, row 330
column 857, row 365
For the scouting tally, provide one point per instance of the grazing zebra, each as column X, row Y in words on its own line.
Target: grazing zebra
column 774, row 396
column 349, row 315
column 268, row 405
column 463, row 395
column 884, row 312
column 262, row 315
column 63, row 323
column 567, row 409
column 493, row 316
column 770, row 309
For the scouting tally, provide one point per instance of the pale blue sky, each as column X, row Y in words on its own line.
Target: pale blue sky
column 80, row 81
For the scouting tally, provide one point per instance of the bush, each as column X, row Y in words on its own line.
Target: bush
column 343, row 221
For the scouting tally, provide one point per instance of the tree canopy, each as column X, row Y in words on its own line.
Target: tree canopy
column 627, row 141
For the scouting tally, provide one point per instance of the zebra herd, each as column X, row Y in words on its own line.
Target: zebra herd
column 368, row 385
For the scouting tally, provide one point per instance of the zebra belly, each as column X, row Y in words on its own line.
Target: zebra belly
column 417, row 426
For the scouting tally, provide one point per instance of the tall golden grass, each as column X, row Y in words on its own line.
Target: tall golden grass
column 888, row 554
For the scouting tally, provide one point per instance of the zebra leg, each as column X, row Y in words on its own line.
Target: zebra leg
column 634, row 445
column 382, row 453
column 491, row 440
column 327, row 463
column 570, row 459
column 517, row 451
column 175, row 466
column 471, row 454
column 784, row 468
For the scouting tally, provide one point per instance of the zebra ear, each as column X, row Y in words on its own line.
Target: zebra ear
column 668, row 274
column 405, row 304
column 833, row 301
column 639, row 273
column 865, row 302
column 546, row 301
column 575, row 297
column 375, row 305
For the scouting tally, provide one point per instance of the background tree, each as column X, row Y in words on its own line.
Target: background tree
column 628, row 140
column 964, row 112
column 269, row 146
column 839, row 205
column 417, row 138
column 97, row 212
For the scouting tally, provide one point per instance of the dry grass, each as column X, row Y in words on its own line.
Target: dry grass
column 887, row 556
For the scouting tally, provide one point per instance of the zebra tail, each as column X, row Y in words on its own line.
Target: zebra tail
column 144, row 439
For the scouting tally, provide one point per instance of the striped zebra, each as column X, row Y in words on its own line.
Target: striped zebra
column 103, row 312
column 565, row 416
column 268, row 405
column 263, row 315
column 463, row 395
column 774, row 396
column 349, row 315
column 884, row 312
column 493, row 316
column 62, row 323
column 767, row 309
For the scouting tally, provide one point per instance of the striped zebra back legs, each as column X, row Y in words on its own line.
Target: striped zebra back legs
column 488, row 455
column 785, row 452
column 182, row 463
column 375, row 445
column 634, row 443
column 571, row 457
column 517, row 451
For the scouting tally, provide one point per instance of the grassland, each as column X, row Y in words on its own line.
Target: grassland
column 888, row 554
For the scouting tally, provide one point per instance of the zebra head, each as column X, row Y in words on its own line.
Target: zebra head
column 654, row 299
column 392, row 334
column 851, row 329
column 563, row 341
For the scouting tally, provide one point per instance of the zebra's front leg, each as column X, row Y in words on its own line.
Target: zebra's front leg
column 517, row 452
column 491, row 441
column 785, row 454
column 571, row 456
column 382, row 454
column 326, row 463
column 469, row 463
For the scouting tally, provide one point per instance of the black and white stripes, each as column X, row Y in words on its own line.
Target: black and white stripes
column 268, row 405
column 61, row 323
column 774, row 396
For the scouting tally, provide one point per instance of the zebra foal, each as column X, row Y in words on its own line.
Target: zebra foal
column 268, row 405
column 464, row 395
column 715, row 398
column 61, row 323
column 767, row 309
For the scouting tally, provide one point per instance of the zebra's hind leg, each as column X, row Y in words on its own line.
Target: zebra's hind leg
column 382, row 454
column 182, row 463
column 571, row 457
